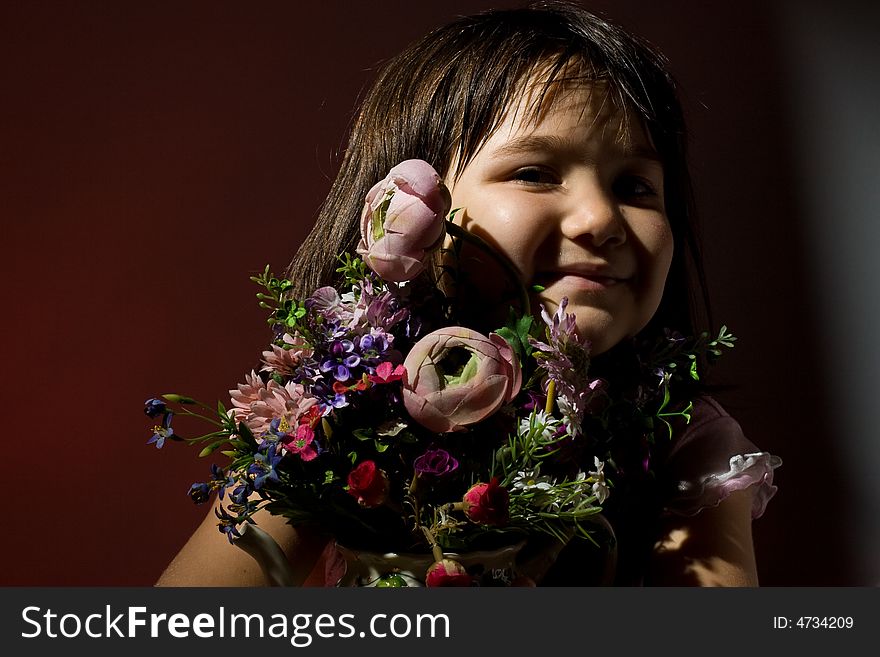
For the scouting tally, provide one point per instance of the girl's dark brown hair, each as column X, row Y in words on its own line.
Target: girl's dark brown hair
column 444, row 95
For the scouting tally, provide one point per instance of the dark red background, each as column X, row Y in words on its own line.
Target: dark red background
column 154, row 155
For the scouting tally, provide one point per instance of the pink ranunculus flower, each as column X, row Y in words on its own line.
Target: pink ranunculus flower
column 456, row 377
column 403, row 220
column 447, row 572
column 487, row 504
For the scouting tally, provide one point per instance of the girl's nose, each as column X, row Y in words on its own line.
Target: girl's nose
column 593, row 214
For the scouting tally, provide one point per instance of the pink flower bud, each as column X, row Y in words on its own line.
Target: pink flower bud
column 403, row 220
column 447, row 572
column 487, row 504
column 456, row 377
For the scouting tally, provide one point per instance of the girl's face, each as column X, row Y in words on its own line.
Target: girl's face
column 577, row 205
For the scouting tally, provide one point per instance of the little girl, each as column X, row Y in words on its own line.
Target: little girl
column 562, row 142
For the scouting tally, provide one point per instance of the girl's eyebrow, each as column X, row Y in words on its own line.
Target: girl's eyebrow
column 531, row 143
column 643, row 153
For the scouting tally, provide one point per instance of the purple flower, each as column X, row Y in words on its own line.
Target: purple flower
column 342, row 359
column 373, row 347
column 326, row 302
column 154, row 407
column 566, row 359
column 435, row 462
column 384, row 311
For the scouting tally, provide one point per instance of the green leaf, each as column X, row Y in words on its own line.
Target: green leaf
column 246, row 435
column 178, row 399
column 210, row 449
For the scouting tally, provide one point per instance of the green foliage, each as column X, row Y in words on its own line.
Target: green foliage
column 517, row 332
column 352, row 268
column 285, row 310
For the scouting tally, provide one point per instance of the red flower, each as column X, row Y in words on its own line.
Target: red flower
column 312, row 417
column 487, row 504
column 447, row 572
column 387, row 373
column 368, row 484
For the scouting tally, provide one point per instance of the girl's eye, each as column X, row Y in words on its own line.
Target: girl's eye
column 536, row 176
column 634, row 188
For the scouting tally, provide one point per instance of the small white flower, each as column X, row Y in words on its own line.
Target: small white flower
column 571, row 414
column 597, row 476
column 531, row 481
column 544, row 425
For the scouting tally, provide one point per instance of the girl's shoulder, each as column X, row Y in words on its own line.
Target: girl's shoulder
column 711, row 458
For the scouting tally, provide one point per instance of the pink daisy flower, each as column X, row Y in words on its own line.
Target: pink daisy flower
column 285, row 360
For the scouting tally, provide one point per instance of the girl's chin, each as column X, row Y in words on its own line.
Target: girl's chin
column 597, row 325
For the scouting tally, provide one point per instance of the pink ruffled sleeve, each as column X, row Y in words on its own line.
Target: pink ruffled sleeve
column 713, row 459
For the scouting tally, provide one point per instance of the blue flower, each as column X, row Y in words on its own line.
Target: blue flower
column 264, row 467
column 228, row 524
column 154, row 407
column 220, row 481
column 161, row 433
column 240, row 493
column 200, row 492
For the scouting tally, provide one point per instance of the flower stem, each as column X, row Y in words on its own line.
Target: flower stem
column 509, row 268
column 435, row 548
column 189, row 413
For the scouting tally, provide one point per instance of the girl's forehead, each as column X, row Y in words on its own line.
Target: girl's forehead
column 569, row 106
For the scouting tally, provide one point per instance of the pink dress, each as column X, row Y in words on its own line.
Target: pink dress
column 713, row 459
column 706, row 461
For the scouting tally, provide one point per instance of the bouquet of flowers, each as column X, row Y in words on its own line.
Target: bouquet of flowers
column 377, row 418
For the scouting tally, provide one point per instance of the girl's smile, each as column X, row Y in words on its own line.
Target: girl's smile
column 575, row 200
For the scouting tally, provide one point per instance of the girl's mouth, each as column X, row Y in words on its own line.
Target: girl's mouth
column 586, row 280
